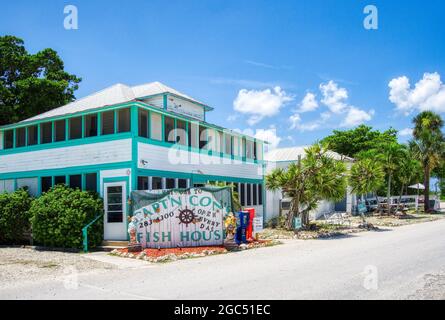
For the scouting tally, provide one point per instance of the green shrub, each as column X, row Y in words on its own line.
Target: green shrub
column 276, row 222
column 14, row 216
column 58, row 216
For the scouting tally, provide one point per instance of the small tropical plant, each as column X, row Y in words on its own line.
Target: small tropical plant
column 315, row 177
column 407, row 172
column 366, row 176
column 235, row 196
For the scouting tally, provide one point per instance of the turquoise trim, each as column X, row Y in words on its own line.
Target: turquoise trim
column 195, row 177
column 134, row 113
column 164, row 101
column 99, row 124
column 67, row 143
column 65, row 171
column 162, row 129
column 72, row 115
column 127, row 184
column 82, row 124
column 85, row 232
column 67, row 129
column 196, row 150
column 52, row 132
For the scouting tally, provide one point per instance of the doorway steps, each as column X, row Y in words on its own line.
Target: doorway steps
column 110, row 245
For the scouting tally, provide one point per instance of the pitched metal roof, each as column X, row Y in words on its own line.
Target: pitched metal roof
column 118, row 93
column 292, row 154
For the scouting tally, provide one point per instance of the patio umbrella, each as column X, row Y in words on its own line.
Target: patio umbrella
column 417, row 186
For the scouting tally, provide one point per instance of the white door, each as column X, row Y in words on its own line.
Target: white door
column 115, row 195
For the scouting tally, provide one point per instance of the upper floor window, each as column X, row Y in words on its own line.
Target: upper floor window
column 32, row 135
column 20, row 137
column 91, row 125
column 59, row 128
column 75, row 128
column 107, row 122
column 228, row 149
column 243, row 147
column 203, row 139
column 46, row 132
column 181, row 132
column 143, row 123
column 169, row 127
column 123, row 120
column 249, row 149
column 193, row 135
column 8, row 139
column 219, row 141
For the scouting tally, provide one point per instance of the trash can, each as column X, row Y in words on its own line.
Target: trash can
column 241, row 226
column 249, row 231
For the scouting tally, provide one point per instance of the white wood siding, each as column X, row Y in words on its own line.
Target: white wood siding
column 170, row 159
column 157, row 101
column 65, row 157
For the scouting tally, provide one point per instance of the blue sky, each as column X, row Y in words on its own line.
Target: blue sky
column 255, row 61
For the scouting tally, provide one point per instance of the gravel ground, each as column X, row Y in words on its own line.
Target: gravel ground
column 19, row 266
column 433, row 287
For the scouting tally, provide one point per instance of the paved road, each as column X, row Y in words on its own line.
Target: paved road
column 409, row 261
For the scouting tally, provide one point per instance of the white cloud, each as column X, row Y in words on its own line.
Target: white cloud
column 356, row 117
column 260, row 104
column 427, row 94
column 406, row 132
column 334, row 97
column 295, row 120
column 232, row 117
column 297, row 124
column 269, row 135
column 309, row 103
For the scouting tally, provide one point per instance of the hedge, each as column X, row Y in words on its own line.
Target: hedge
column 14, row 216
column 58, row 216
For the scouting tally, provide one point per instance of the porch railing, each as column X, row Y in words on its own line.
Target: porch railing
column 85, row 232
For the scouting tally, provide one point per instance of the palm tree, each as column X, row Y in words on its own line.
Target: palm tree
column 366, row 176
column 391, row 154
column 408, row 170
column 318, row 176
column 428, row 146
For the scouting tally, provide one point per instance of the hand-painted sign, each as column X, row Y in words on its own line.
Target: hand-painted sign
column 184, row 107
column 362, row 208
column 257, row 224
column 181, row 218
column 297, row 223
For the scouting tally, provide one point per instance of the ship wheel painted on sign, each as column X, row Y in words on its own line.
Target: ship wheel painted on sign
column 186, row 216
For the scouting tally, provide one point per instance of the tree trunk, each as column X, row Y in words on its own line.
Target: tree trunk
column 294, row 210
column 388, row 195
column 378, row 203
column 400, row 199
column 426, row 193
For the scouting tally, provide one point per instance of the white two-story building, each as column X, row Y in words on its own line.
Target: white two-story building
column 124, row 138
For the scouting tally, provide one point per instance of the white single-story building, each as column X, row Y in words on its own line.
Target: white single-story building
column 281, row 158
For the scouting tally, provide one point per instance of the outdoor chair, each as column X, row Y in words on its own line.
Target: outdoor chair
column 337, row 218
